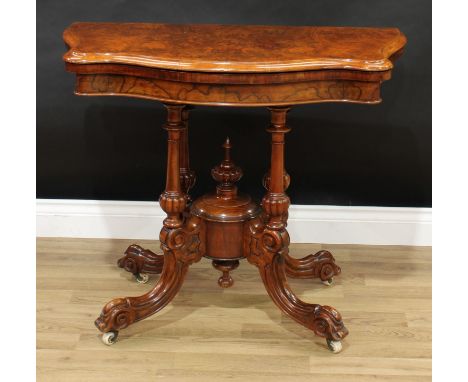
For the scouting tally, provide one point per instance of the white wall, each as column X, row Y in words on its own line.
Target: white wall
column 306, row 224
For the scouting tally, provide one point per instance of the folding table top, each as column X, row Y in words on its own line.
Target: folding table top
column 233, row 48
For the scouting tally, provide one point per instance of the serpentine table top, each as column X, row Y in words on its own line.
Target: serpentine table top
column 232, row 65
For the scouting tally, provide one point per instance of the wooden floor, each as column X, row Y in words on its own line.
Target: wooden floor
column 237, row 334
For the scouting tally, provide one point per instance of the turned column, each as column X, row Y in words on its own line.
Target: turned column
column 173, row 200
column 276, row 203
column 180, row 241
column 187, row 176
column 136, row 259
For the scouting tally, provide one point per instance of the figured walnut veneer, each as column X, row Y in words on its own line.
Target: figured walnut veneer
column 233, row 48
column 232, row 65
column 273, row 66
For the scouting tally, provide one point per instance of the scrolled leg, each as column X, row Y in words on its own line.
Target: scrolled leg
column 268, row 249
column 267, row 246
column 181, row 241
column 140, row 262
column 319, row 265
column 122, row 312
column 182, row 247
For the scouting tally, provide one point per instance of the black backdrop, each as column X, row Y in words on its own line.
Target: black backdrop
column 342, row 154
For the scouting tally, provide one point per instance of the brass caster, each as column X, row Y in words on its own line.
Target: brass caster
column 328, row 282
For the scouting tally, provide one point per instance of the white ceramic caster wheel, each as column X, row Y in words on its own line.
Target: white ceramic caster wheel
column 142, row 278
column 109, row 338
column 328, row 282
column 334, row 346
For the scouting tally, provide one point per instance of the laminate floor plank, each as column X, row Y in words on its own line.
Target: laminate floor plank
column 211, row 334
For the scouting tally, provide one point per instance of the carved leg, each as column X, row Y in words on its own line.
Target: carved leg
column 181, row 240
column 267, row 253
column 182, row 247
column 321, row 264
column 140, row 262
column 268, row 242
column 225, row 266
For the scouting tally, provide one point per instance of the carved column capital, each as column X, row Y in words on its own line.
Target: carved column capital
column 174, row 119
column 173, row 204
column 276, row 207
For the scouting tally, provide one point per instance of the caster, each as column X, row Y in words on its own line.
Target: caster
column 109, row 338
column 142, row 278
column 328, row 282
column 334, row 346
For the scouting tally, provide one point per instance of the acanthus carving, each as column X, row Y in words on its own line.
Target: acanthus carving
column 186, row 242
column 264, row 243
column 267, row 250
column 116, row 314
column 328, row 323
column 321, row 265
column 139, row 260
column 182, row 247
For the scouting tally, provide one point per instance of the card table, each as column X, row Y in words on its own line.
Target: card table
column 228, row 65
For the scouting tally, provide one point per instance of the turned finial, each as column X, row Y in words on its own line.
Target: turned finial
column 227, row 150
column 226, row 174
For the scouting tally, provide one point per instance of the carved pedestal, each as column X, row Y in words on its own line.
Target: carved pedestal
column 225, row 226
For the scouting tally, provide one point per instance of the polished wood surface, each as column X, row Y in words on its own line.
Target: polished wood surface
column 276, row 67
column 233, row 48
column 232, row 65
column 234, row 334
column 225, row 227
column 254, row 95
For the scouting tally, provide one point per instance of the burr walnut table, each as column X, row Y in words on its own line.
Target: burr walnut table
column 225, row 65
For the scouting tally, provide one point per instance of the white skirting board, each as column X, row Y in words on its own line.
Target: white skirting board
column 306, row 224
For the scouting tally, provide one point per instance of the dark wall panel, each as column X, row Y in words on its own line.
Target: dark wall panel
column 114, row 148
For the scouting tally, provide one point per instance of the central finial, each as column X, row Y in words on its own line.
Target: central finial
column 226, row 174
column 227, row 150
